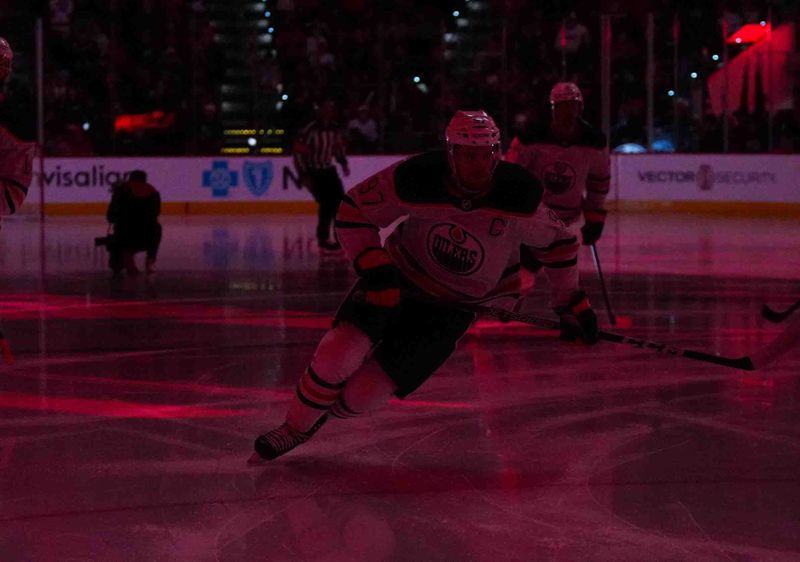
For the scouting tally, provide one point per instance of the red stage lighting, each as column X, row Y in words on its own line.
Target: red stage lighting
column 750, row 33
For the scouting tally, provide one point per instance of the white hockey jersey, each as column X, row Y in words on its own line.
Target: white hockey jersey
column 16, row 171
column 459, row 249
column 575, row 176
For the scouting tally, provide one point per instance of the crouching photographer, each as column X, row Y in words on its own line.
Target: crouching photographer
column 133, row 216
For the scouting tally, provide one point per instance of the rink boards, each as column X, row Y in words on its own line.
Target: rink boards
column 749, row 185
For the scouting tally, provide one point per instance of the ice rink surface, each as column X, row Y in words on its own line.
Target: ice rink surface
column 126, row 422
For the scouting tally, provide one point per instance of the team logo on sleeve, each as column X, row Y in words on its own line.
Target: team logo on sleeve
column 558, row 177
column 455, row 249
column 497, row 227
column 369, row 192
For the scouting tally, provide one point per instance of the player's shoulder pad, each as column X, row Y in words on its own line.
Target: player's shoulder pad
column 421, row 178
column 515, row 190
column 592, row 136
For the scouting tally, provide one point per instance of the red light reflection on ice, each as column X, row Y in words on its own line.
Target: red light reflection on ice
column 28, row 306
column 112, row 408
column 210, row 390
column 205, row 389
column 432, row 404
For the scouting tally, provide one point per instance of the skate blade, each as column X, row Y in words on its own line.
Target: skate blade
column 256, row 459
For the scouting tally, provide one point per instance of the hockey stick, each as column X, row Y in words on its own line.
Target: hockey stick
column 775, row 316
column 743, row 363
column 611, row 318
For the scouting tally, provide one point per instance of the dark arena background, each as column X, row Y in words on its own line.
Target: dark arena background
column 132, row 386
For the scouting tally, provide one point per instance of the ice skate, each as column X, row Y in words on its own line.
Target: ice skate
column 281, row 440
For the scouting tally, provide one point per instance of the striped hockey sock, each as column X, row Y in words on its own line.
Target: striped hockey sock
column 368, row 389
column 342, row 410
column 313, row 398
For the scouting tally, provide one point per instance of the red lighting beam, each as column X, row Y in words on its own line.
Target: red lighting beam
column 750, row 33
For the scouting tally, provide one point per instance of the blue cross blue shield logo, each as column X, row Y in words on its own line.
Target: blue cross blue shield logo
column 220, row 179
column 257, row 176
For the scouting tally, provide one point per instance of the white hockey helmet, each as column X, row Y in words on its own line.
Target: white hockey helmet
column 565, row 91
column 6, row 58
column 472, row 128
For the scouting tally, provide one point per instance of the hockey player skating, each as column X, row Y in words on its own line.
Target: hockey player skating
column 464, row 215
column 16, row 167
column 570, row 158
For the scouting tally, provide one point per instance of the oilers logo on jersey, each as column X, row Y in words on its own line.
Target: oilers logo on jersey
column 455, row 249
column 370, row 192
column 558, row 177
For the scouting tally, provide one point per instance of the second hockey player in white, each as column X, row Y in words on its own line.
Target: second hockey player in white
column 570, row 158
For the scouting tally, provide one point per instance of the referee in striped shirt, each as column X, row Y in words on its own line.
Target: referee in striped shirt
column 317, row 145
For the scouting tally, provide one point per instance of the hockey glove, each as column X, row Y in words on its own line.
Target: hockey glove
column 382, row 277
column 593, row 227
column 578, row 320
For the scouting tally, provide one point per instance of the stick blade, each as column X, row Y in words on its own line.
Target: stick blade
column 771, row 315
column 744, row 363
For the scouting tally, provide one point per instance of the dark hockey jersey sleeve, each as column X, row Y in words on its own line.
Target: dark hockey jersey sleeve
column 368, row 207
column 16, row 171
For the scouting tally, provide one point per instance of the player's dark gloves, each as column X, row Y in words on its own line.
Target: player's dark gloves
column 593, row 227
column 578, row 320
column 383, row 279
